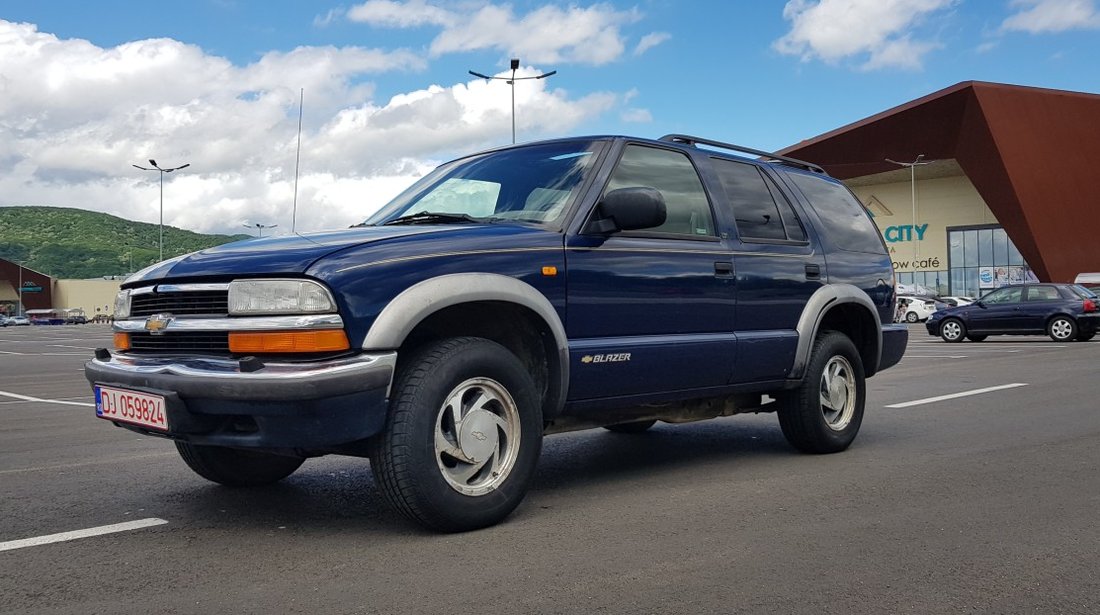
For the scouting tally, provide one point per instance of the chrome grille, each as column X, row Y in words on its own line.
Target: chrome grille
column 210, row 302
column 199, row 341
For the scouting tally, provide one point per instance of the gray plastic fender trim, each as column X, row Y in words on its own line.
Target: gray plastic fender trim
column 420, row 300
column 820, row 302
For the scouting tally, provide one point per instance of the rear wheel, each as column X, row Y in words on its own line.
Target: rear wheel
column 911, row 317
column 235, row 467
column 462, row 437
column 952, row 330
column 823, row 414
column 635, row 427
column 1062, row 329
column 976, row 338
column 1084, row 337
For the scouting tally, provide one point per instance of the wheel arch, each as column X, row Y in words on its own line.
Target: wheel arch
column 466, row 304
column 844, row 308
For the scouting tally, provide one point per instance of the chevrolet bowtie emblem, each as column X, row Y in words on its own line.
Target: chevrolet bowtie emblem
column 157, row 323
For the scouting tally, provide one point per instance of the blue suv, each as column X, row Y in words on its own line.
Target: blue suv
column 529, row 290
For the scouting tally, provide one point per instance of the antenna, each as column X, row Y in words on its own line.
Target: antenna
column 297, row 160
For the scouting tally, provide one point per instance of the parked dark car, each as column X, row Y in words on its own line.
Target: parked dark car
column 434, row 337
column 1065, row 312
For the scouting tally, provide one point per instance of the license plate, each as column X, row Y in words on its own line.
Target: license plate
column 131, row 407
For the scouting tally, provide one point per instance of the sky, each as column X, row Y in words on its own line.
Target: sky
column 88, row 89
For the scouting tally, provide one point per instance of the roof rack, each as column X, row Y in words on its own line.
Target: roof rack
column 689, row 140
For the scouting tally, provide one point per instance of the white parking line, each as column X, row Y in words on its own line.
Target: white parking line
column 934, row 356
column 929, row 400
column 75, row 534
column 77, row 347
column 47, row 401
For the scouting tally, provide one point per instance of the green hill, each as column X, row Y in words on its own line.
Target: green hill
column 73, row 243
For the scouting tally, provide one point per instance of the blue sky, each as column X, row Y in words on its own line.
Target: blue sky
column 88, row 88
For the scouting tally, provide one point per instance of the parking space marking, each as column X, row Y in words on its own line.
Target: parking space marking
column 77, row 347
column 930, row 400
column 67, row 466
column 76, row 534
column 47, row 401
column 934, row 356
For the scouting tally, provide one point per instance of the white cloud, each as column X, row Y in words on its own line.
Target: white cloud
column 1039, row 16
column 75, row 116
column 548, row 34
column 879, row 32
column 637, row 116
column 651, row 40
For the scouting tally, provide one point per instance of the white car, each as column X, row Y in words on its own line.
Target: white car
column 955, row 301
column 915, row 309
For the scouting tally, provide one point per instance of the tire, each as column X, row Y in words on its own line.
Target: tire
column 457, row 475
column 235, row 467
column 635, row 427
column 976, row 338
column 952, row 330
column 1062, row 329
column 807, row 423
column 1084, row 337
column 911, row 317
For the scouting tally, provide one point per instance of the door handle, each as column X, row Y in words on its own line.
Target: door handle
column 723, row 269
column 813, row 272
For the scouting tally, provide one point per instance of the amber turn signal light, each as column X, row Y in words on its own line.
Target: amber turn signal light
column 122, row 341
column 328, row 340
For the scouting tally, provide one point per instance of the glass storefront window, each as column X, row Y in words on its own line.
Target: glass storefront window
column 977, row 251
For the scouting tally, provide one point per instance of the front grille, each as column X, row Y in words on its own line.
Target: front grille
column 206, row 302
column 208, row 342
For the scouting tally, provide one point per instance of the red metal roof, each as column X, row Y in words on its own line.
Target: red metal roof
column 1031, row 153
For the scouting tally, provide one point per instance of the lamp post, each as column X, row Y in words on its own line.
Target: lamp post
column 512, row 82
column 919, row 161
column 162, row 172
column 261, row 227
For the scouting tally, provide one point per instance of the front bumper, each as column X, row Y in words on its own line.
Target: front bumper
column 212, row 401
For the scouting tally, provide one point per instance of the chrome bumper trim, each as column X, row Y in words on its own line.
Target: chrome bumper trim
column 210, row 367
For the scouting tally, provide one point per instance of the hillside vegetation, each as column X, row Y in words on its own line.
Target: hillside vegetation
column 73, row 243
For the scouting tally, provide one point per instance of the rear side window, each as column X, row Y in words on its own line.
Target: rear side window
column 1042, row 293
column 845, row 221
column 760, row 210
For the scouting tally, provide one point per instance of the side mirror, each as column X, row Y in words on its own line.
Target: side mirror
column 628, row 209
column 980, row 303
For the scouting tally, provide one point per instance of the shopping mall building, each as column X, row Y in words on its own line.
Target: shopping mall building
column 1004, row 189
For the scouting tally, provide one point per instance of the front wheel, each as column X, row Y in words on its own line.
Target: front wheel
column 952, row 330
column 1084, row 337
column 823, row 414
column 462, row 437
column 237, row 467
column 1062, row 329
column 976, row 338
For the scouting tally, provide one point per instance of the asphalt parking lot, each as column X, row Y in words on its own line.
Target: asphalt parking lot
column 973, row 486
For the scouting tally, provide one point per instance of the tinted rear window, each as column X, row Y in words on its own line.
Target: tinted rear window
column 846, row 222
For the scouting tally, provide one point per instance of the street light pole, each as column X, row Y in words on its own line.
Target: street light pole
column 512, row 82
column 919, row 161
column 261, row 227
column 162, row 172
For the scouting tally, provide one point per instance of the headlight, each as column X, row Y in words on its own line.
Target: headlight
column 122, row 304
column 251, row 297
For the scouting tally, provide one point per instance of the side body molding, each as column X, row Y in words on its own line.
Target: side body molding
column 421, row 300
column 824, row 299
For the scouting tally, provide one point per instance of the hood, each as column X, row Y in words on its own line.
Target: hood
column 272, row 255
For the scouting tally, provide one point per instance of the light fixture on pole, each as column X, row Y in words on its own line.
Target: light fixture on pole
column 512, row 82
column 261, row 227
column 919, row 161
column 162, row 172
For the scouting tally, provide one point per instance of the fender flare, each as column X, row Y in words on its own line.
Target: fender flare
column 824, row 299
column 417, row 302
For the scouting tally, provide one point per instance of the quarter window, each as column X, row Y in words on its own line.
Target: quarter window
column 1042, row 293
column 672, row 174
column 844, row 218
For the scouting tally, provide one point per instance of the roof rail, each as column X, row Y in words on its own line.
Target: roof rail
column 689, row 140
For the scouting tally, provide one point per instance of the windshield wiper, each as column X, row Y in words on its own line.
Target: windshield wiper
column 430, row 217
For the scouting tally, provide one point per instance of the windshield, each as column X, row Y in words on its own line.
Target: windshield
column 532, row 184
